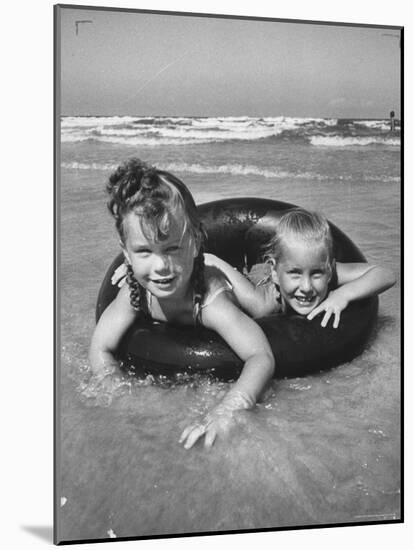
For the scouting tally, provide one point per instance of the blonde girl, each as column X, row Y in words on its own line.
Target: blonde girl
column 304, row 276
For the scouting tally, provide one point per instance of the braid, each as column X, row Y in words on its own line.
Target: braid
column 158, row 199
column 199, row 284
column 135, row 289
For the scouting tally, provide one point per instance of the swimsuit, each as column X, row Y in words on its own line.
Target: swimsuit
column 208, row 299
column 197, row 307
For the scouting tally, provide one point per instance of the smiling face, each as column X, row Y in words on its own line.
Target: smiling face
column 303, row 273
column 162, row 266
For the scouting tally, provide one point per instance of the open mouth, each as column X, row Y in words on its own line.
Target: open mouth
column 165, row 281
column 305, row 301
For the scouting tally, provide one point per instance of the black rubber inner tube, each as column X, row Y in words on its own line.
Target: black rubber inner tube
column 237, row 228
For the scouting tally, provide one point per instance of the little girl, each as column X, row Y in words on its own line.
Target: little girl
column 162, row 240
column 304, row 276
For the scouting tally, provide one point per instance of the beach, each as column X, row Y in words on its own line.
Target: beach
column 319, row 450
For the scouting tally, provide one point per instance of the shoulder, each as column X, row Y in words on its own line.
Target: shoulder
column 121, row 305
column 218, row 307
column 218, row 291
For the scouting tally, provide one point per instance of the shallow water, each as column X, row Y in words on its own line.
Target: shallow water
column 317, row 450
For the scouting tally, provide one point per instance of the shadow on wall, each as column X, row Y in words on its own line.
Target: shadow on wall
column 40, row 531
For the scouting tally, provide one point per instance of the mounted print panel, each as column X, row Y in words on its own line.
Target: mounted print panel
column 228, row 339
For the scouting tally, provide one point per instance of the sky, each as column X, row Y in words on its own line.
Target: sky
column 129, row 63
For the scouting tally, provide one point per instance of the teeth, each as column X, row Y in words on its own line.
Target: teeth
column 304, row 300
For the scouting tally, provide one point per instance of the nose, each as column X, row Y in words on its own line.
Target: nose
column 305, row 285
column 161, row 263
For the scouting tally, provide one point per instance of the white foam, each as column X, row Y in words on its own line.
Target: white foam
column 137, row 131
column 234, row 170
column 238, row 170
column 73, row 138
column 87, row 166
column 341, row 141
column 179, row 129
column 374, row 124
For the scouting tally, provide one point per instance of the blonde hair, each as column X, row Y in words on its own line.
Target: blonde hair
column 304, row 225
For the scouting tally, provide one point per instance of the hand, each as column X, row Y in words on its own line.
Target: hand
column 119, row 276
column 211, row 260
column 103, row 386
column 334, row 304
column 219, row 420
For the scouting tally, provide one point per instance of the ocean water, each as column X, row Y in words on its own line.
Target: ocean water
column 317, row 450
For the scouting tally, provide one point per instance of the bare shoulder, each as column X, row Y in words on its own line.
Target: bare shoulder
column 220, row 310
column 121, row 305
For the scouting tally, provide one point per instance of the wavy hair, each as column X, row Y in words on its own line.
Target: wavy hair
column 157, row 197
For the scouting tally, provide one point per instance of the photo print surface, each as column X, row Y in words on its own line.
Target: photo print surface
column 192, row 397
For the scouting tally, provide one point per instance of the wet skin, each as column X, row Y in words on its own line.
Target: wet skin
column 162, row 267
column 303, row 273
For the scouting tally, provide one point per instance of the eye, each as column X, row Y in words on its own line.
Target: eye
column 143, row 251
column 174, row 248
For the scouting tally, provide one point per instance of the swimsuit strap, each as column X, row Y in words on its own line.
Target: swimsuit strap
column 214, row 295
column 197, row 306
column 208, row 300
column 262, row 282
column 268, row 280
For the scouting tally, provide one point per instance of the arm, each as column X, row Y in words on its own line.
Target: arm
column 250, row 298
column 356, row 281
column 247, row 339
column 112, row 325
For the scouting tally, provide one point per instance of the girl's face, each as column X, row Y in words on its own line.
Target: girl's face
column 303, row 273
column 164, row 267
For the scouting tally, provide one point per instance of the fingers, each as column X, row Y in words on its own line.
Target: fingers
column 119, row 276
column 208, row 258
column 315, row 312
column 326, row 317
column 210, row 438
column 337, row 319
column 329, row 311
column 186, row 432
column 192, row 435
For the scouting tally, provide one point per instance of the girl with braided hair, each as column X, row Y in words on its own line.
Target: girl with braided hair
column 162, row 240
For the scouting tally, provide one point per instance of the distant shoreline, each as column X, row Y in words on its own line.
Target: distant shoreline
column 343, row 119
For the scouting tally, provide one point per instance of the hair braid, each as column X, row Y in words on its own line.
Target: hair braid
column 158, row 199
column 135, row 290
column 199, row 284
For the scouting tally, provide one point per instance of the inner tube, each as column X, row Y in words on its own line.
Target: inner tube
column 237, row 229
